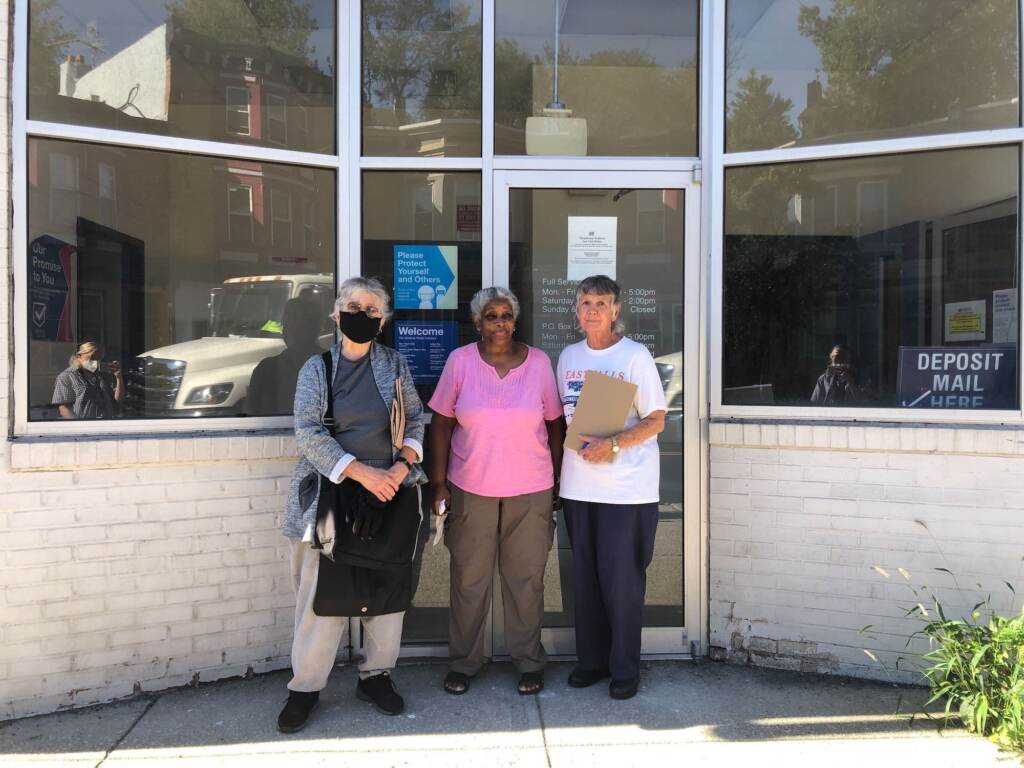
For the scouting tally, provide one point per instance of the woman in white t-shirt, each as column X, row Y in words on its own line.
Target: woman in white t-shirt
column 609, row 492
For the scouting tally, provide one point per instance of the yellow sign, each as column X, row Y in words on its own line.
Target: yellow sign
column 966, row 322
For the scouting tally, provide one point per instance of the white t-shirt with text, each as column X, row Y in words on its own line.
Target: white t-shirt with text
column 632, row 477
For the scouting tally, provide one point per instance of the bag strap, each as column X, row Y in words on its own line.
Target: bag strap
column 329, row 413
column 398, row 416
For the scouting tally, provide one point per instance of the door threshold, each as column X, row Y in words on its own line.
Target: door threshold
column 437, row 654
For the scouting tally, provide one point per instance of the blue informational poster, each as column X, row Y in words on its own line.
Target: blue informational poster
column 52, row 288
column 426, row 345
column 426, row 277
column 958, row 377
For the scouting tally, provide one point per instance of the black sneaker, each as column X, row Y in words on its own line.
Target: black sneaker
column 584, row 678
column 380, row 691
column 296, row 711
column 624, row 689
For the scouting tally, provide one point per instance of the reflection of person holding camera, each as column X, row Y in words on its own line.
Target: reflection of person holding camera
column 272, row 386
column 837, row 385
column 87, row 390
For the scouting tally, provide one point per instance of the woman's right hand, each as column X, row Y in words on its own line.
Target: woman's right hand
column 442, row 493
column 379, row 482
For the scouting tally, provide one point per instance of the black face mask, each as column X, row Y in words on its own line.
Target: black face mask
column 358, row 327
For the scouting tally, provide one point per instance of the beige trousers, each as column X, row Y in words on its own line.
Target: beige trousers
column 317, row 638
column 517, row 532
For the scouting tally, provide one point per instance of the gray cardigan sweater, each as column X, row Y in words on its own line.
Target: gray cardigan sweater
column 319, row 453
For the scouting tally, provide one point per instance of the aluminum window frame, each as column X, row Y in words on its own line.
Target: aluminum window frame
column 231, row 108
column 340, row 162
column 718, row 161
column 281, row 121
column 276, row 219
column 232, row 214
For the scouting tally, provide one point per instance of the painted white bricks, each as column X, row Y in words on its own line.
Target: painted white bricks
column 799, row 518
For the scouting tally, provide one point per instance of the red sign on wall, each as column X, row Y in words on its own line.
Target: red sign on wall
column 467, row 218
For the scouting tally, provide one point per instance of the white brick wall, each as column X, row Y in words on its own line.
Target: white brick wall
column 801, row 515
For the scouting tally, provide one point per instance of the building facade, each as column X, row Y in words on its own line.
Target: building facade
column 813, row 210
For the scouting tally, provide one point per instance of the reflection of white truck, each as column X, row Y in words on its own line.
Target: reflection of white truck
column 210, row 376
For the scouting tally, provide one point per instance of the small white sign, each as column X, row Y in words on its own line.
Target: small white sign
column 1004, row 316
column 965, row 320
column 592, row 246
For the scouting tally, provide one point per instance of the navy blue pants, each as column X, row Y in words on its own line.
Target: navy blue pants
column 612, row 545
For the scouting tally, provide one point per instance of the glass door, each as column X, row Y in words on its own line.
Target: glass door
column 552, row 229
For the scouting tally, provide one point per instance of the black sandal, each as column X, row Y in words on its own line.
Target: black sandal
column 530, row 683
column 456, row 683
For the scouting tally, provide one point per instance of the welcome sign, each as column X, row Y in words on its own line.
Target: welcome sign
column 958, row 377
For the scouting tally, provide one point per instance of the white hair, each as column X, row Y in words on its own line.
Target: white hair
column 356, row 284
column 485, row 296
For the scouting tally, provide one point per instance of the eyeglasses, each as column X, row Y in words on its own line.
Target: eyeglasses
column 494, row 317
column 371, row 310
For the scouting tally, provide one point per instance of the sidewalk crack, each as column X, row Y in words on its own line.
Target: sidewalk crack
column 125, row 735
column 543, row 730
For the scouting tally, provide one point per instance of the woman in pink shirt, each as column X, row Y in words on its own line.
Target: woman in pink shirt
column 496, row 452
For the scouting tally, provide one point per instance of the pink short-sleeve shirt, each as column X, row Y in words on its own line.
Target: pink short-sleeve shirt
column 500, row 443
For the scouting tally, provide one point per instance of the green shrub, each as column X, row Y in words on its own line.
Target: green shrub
column 974, row 665
column 977, row 666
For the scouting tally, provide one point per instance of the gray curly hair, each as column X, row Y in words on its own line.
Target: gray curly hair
column 485, row 296
column 601, row 285
column 368, row 284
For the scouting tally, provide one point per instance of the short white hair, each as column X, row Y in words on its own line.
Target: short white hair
column 355, row 284
column 485, row 296
column 602, row 285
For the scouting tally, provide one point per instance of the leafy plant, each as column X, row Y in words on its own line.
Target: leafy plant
column 974, row 665
column 977, row 666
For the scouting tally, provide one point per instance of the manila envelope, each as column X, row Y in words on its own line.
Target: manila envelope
column 602, row 409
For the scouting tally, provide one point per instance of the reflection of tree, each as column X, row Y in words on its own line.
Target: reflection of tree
column 284, row 25
column 421, row 58
column 758, row 117
column 49, row 45
column 778, row 291
column 881, row 57
column 625, row 95
column 512, row 83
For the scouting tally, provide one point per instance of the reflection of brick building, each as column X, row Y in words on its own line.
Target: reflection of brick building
column 142, row 224
column 183, row 83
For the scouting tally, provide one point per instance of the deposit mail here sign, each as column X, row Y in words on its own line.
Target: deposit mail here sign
column 958, row 377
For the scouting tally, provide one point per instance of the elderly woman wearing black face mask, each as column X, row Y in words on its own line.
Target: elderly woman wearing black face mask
column 364, row 375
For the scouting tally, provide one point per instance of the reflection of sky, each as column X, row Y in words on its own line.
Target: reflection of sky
column 665, row 29
column 119, row 24
column 763, row 36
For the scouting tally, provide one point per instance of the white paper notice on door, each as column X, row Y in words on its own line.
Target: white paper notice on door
column 592, row 246
column 1004, row 316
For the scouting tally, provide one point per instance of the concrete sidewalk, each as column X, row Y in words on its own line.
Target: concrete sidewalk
column 686, row 714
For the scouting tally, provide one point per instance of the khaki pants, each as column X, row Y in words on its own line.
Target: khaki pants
column 517, row 532
column 317, row 638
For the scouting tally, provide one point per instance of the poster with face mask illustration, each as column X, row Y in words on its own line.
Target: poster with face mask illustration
column 426, row 276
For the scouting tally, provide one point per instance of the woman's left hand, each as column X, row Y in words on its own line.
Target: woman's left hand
column 598, row 449
column 398, row 472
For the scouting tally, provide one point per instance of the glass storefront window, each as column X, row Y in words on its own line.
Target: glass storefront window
column 600, row 77
column 221, row 70
column 849, row 70
column 888, row 281
column 643, row 231
column 421, row 78
column 421, row 237
column 183, row 270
